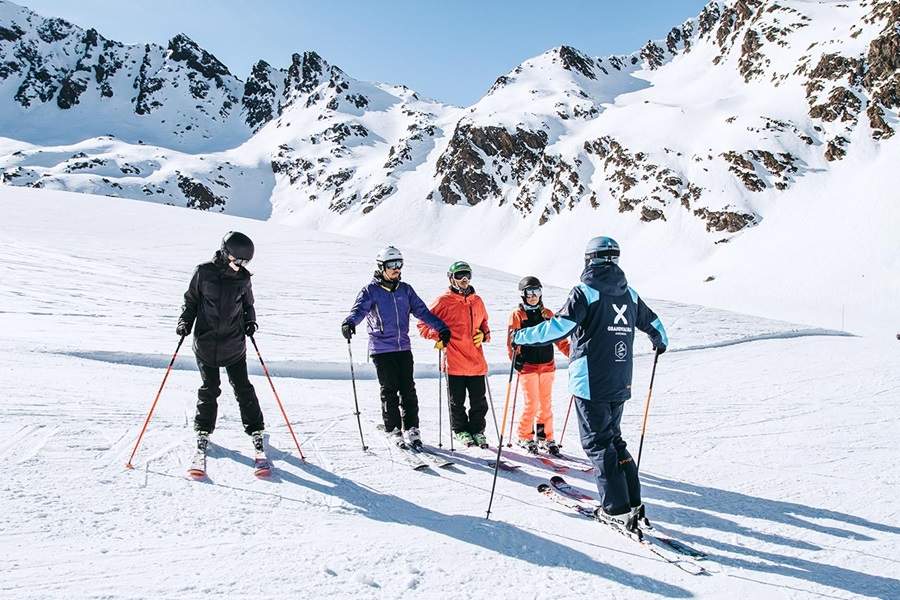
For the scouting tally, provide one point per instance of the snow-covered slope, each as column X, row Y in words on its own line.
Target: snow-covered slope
column 756, row 142
column 767, row 445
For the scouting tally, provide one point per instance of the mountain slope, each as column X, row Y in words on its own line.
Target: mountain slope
column 755, row 117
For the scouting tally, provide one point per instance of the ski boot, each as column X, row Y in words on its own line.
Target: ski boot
column 413, row 439
column 480, row 440
column 465, row 438
column 528, row 444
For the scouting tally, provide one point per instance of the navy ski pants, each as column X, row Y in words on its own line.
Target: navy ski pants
column 614, row 468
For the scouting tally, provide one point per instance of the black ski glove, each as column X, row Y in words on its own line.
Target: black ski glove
column 519, row 362
column 250, row 327
column 347, row 330
column 660, row 349
column 444, row 336
column 183, row 329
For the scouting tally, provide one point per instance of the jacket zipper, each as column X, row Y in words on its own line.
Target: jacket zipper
column 397, row 314
column 380, row 322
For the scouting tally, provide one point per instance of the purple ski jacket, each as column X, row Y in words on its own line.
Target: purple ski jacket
column 387, row 315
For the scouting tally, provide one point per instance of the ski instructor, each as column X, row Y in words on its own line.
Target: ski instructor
column 601, row 314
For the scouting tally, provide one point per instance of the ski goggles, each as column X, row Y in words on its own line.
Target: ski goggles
column 460, row 275
column 533, row 292
column 393, row 264
column 240, row 262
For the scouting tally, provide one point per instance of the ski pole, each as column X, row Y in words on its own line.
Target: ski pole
column 440, row 401
column 637, row 465
column 449, row 413
column 155, row 400
column 487, row 384
column 512, row 418
column 566, row 422
column 355, row 400
column 277, row 399
column 500, row 443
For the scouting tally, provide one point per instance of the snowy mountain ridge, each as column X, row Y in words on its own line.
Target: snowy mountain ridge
column 734, row 127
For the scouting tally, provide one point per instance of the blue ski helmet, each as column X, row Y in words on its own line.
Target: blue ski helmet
column 601, row 250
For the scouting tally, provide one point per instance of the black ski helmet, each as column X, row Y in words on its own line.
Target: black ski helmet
column 528, row 283
column 238, row 245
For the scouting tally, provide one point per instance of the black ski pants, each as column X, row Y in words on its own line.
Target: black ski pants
column 599, row 423
column 395, row 375
column 209, row 392
column 457, row 387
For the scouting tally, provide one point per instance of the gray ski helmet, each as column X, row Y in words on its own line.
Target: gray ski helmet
column 601, row 250
column 237, row 245
column 388, row 255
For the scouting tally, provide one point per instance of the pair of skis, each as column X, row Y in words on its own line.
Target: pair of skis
column 667, row 548
column 262, row 467
column 418, row 457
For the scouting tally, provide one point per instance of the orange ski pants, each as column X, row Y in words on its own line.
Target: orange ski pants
column 537, row 396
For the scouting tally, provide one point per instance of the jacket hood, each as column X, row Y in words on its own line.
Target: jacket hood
column 606, row 278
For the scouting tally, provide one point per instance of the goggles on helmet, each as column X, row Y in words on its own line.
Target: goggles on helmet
column 460, row 275
column 532, row 292
column 396, row 263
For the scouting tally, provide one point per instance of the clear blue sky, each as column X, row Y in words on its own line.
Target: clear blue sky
column 449, row 50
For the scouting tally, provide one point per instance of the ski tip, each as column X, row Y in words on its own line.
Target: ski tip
column 557, row 479
column 543, row 487
column 197, row 474
column 263, row 472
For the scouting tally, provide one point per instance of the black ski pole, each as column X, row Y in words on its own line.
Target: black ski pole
column 155, row 400
column 487, row 384
column 355, row 399
column 512, row 368
column 449, row 413
column 566, row 422
column 637, row 465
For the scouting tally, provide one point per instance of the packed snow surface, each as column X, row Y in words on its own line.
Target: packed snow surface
column 769, row 445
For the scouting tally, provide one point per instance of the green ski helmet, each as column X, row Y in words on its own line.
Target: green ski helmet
column 458, row 269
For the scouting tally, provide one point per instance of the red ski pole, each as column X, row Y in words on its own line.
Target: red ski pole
column 155, row 400
column 277, row 399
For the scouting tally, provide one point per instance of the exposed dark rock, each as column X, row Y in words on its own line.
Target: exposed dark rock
column 259, row 101
column 11, row 33
column 651, row 214
column 198, row 195
column 462, row 165
column 653, row 55
column 835, row 148
column 573, row 60
column 725, row 220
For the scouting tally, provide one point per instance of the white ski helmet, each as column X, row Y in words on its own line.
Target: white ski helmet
column 601, row 250
column 388, row 258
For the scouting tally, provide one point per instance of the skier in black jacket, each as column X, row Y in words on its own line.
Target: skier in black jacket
column 218, row 305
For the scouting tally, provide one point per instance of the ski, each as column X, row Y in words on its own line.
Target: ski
column 686, row 563
column 489, row 455
column 197, row 469
column 535, row 458
column 411, row 458
column 561, row 486
column 571, row 463
column 261, row 465
column 426, row 453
